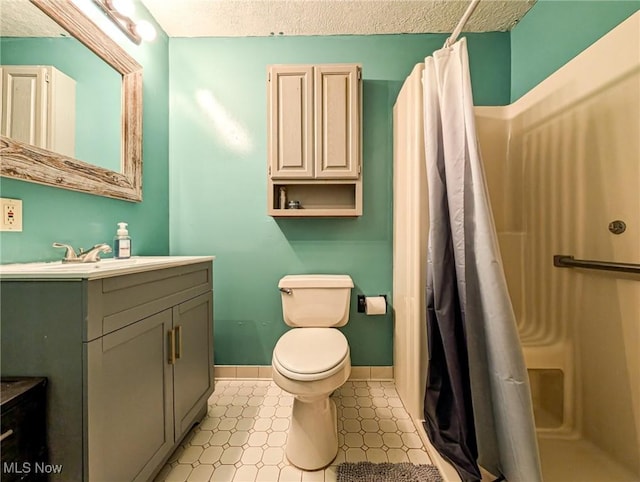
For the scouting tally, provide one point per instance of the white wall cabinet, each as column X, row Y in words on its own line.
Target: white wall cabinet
column 38, row 107
column 314, row 139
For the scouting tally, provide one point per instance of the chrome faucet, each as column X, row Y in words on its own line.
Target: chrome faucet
column 90, row 256
column 93, row 254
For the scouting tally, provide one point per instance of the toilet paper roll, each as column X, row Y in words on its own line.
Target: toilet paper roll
column 375, row 305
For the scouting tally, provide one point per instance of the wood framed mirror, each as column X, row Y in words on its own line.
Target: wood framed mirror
column 26, row 162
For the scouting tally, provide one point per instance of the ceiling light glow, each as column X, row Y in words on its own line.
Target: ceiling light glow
column 146, row 31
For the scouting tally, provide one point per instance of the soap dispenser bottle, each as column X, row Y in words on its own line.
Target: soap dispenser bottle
column 122, row 242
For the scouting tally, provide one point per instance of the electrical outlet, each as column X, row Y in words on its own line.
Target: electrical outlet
column 11, row 214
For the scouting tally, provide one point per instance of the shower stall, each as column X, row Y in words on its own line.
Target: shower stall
column 563, row 170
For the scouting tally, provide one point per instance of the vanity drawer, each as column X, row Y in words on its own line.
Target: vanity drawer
column 119, row 301
column 23, row 429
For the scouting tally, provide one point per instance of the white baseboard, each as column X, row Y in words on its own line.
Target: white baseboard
column 259, row 372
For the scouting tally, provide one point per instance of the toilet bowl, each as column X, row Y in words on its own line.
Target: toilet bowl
column 311, row 361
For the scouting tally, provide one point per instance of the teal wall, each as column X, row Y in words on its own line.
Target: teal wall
column 97, row 87
column 553, row 32
column 218, row 166
column 212, row 163
column 52, row 214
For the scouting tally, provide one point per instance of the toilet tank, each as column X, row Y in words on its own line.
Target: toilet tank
column 316, row 300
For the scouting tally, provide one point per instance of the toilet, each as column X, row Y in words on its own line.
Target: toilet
column 312, row 360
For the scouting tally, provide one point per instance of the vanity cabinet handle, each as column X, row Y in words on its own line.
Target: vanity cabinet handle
column 172, row 346
column 178, row 349
column 6, row 434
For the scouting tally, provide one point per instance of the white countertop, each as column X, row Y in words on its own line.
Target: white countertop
column 104, row 268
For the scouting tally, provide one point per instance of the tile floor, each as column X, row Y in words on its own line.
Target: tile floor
column 243, row 436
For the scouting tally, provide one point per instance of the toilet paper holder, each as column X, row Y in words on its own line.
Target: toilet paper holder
column 362, row 302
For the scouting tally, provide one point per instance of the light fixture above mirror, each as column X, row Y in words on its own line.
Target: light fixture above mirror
column 120, row 12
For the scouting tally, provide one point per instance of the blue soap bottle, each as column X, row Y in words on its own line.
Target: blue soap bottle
column 122, row 242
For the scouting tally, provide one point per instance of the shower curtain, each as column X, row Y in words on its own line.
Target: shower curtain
column 477, row 401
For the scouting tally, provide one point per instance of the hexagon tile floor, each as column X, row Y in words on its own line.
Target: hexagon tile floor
column 243, row 437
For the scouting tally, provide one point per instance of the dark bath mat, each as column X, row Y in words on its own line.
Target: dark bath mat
column 387, row 472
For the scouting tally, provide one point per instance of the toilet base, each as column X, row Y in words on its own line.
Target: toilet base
column 312, row 443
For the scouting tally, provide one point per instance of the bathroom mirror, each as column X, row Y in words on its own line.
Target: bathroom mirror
column 29, row 163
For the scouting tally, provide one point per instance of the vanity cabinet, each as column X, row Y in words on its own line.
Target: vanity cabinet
column 129, row 361
column 314, row 139
column 38, row 107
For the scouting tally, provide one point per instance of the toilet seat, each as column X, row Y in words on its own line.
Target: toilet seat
column 308, row 354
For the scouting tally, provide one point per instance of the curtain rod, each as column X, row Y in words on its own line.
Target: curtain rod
column 463, row 21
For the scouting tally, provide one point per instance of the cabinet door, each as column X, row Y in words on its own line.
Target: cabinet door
column 337, row 119
column 193, row 368
column 290, row 122
column 24, row 100
column 129, row 401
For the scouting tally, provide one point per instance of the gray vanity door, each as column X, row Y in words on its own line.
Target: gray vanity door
column 130, row 401
column 193, row 369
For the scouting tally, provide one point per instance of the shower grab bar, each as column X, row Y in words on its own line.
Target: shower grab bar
column 565, row 261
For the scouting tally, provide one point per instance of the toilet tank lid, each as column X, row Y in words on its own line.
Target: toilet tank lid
column 316, row 281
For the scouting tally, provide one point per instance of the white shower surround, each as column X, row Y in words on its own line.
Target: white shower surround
column 547, row 337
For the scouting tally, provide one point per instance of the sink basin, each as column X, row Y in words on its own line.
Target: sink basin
column 100, row 269
column 109, row 263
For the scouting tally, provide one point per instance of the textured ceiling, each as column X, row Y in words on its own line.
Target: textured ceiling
column 241, row 18
column 20, row 18
column 248, row 18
